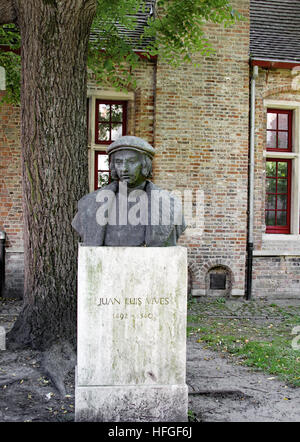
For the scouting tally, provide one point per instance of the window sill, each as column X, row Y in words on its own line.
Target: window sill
column 280, row 154
column 273, row 252
column 279, row 245
column 280, row 237
column 14, row 250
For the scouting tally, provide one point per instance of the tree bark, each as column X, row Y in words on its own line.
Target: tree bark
column 54, row 44
column 8, row 12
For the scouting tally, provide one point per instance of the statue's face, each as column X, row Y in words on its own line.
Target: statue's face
column 128, row 166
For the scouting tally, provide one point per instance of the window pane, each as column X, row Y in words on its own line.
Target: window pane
column 104, row 112
column 270, row 218
column 282, row 140
column 282, row 121
column 104, row 131
column 271, row 168
column 116, row 112
column 271, row 185
column 103, row 162
column 282, row 186
column 271, row 140
column 281, row 218
column 116, row 131
column 282, row 169
column 271, row 201
column 103, row 178
column 281, row 202
column 271, row 120
column 277, row 203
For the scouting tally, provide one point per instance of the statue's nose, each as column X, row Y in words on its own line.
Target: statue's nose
column 125, row 167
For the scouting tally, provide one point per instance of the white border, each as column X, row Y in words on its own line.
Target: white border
column 295, row 194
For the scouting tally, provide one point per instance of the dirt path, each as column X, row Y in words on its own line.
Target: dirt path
column 251, row 396
column 220, row 389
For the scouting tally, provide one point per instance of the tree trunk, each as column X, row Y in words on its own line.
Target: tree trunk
column 54, row 36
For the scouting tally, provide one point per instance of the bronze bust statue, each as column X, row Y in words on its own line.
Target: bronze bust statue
column 130, row 211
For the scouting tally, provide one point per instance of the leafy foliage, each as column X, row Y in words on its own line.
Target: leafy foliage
column 11, row 61
column 174, row 31
column 178, row 27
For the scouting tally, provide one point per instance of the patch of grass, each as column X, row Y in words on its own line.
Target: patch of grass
column 220, row 300
column 192, row 417
column 264, row 343
column 191, row 301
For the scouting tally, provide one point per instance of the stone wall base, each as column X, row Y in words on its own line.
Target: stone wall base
column 159, row 403
column 14, row 274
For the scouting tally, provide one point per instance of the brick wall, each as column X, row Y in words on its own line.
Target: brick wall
column 143, row 113
column 10, row 178
column 14, row 274
column 201, row 135
column 276, row 277
column 11, row 197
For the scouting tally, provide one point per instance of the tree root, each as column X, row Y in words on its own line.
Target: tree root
column 57, row 362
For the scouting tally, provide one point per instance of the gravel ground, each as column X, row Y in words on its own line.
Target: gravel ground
column 220, row 389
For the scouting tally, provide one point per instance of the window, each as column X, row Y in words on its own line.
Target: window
column 278, row 195
column 102, row 172
column 278, row 171
column 279, row 130
column 110, row 121
column 110, row 124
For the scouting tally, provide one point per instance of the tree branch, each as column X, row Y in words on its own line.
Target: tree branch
column 8, row 12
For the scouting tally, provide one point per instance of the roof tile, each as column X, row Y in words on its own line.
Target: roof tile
column 275, row 29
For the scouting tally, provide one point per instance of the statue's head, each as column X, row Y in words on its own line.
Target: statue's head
column 130, row 160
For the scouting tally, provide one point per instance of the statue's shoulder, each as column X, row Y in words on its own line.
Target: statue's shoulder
column 162, row 192
column 152, row 186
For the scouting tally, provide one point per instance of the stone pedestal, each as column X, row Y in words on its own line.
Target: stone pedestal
column 131, row 361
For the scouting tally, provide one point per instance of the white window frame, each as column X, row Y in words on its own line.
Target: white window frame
column 295, row 192
column 2, row 79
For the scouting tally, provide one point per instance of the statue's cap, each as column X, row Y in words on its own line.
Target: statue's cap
column 132, row 143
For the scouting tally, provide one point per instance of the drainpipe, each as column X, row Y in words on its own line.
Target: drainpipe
column 251, row 184
column 2, row 263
